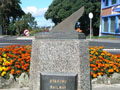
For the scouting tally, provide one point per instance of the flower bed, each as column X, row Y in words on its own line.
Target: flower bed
column 14, row 60
column 103, row 62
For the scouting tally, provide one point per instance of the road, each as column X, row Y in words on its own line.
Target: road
column 107, row 44
column 5, row 42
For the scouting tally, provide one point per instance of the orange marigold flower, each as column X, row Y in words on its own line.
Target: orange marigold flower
column 101, row 57
column 18, row 66
column 92, row 65
column 101, row 73
column 6, row 69
column 28, row 70
column 97, row 62
column 91, row 59
column 102, row 70
column 28, row 61
column 18, row 72
column 117, row 63
column 9, row 68
column 7, row 64
column 16, row 62
column 22, row 62
column 94, row 75
column 101, row 47
column 117, row 70
column 18, row 45
column 94, row 57
column 95, row 69
column 91, row 73
column 19, row 59
column 110, row 70
column 12, row 71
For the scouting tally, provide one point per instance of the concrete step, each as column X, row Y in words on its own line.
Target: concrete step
column 94, row 87
column 26, row 88
column 105, row 87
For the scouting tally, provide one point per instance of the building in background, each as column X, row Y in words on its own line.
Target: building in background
column 110, row 17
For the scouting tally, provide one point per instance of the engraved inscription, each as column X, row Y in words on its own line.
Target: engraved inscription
column 58, row 87
column 58, row 81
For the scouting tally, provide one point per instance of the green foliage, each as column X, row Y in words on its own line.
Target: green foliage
column 35, row 31
column 61, row 9
column 26, row 22
column 11, row 29
column 103, row 37
column 9, row 11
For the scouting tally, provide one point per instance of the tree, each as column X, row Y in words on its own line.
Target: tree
column 17, row 12
column 61, row 9
column 9, row 10
column 26, row 22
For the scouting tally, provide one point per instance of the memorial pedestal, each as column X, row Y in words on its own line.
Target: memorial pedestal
column 60, row 56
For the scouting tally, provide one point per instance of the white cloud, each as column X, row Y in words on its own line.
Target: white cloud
column 39, row 13
column 36, row 12
column 45, row 22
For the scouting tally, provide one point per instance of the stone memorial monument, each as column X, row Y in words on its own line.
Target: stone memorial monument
column 60, row 58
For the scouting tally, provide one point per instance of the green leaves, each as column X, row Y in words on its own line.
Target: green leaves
column 26, row 22
column 9, row 11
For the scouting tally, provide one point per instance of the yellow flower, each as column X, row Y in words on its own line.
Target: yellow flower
column 94, row 75
column 7, row 57
column 102, row 54
column 99, row 73
column 96, row 53
column 6, row 69
column 0, row 59
column 1, row 69
column 91, row 48
column 92, row 52
column 5, row 63
column 3, row 73
column 4, row 55
column 4, row 59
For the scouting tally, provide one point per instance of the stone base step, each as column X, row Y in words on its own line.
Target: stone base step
column 26, row 88
column 105, row 87
column 94, row 87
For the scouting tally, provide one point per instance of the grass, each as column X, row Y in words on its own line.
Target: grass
column 102, row 37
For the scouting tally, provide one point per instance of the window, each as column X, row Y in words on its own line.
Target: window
column 113, row 1
column 106, row 2
column 118, row 25
column 112, row 24
column 105, row 24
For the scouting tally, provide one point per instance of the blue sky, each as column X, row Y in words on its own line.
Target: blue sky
column 37, row 8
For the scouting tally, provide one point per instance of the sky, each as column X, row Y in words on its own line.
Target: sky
column 37, row 8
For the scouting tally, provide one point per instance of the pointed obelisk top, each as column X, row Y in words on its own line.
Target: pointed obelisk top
column 65, row 29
